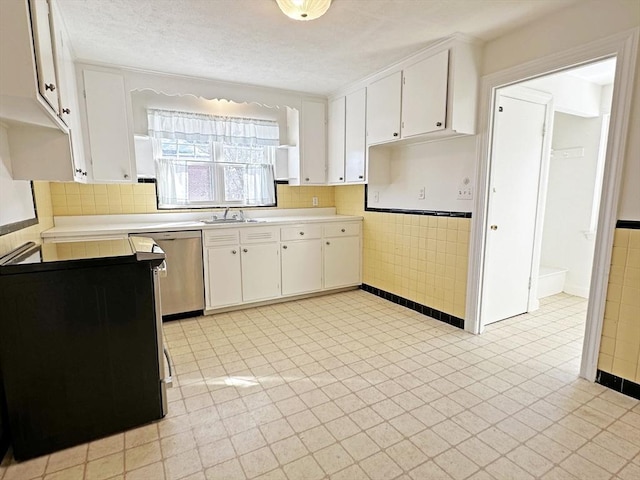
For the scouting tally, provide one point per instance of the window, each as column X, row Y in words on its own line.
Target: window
column 208, row 161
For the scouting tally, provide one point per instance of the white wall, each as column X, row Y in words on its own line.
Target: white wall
column 438, row 167
column 566, row 239
column 574, row 26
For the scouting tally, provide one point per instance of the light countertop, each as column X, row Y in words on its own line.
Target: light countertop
column 118, row 226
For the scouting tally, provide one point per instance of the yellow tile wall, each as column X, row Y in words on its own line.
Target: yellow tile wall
column 422, row 258
column 79, row 199
column 32, row 234
column 620, row 342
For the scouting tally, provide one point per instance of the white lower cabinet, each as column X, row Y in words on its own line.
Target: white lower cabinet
column 260, row 272
column 261, row 263
column 341, row 262
column 301, row 266
column 224, row 279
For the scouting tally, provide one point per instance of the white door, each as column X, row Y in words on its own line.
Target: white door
column 313, row 132
column 518, row 139
column 383, row 109
column 335, row 141
column 355, row 136
column 341, row 262
column 301, row 267
column 44, row 52
column 260, row 272
column 224, row 283
column 424, row 95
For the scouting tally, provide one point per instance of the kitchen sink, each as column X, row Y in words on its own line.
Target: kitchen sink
column 216, row 221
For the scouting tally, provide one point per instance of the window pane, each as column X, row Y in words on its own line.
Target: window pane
column 200, row 183
column 233, row 183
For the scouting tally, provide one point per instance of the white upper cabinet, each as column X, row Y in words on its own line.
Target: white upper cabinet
column 336, row 141
column 355, row 137
column 307, row 143
column 109, row 136
column 431, row 95
column 424, row 95
column 383, row 109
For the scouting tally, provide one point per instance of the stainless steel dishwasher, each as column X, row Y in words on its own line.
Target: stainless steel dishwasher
column 182, row 289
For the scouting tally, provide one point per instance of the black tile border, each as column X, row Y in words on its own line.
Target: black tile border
column 418, row 307
column 431, row 213
column 632, row 224
column 622, row 385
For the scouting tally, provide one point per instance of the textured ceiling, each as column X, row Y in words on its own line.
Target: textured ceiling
column 251, row 41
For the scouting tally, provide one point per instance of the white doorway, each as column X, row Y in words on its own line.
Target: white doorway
column 622, row 47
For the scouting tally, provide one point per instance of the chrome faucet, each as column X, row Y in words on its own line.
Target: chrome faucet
column 226, row 212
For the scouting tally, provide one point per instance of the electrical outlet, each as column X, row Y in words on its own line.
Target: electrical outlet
column 465, row 190
column 421, row 193
column 314, row 201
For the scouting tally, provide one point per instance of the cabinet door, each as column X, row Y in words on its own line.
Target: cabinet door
column 69, row 105
column 336, row 141
column 355, row 136
column 110, row 142
column 44, row 52
column 341, row 262
column 301, row 267
column 224, row 281
column 260, row 272
column 424, row 95
column 383, row 109
column 313, row 128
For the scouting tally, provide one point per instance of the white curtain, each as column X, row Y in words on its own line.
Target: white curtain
column 239, row 170
column 201, row 128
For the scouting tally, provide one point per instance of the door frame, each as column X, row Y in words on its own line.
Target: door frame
column 624, row 47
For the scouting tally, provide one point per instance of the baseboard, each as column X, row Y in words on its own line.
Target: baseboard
column 576, row 290
column 622, row 385
column 418, row 307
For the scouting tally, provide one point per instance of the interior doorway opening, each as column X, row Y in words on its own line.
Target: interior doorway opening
column 545, row 181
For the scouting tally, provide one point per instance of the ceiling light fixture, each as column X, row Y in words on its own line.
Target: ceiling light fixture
column 304, row 9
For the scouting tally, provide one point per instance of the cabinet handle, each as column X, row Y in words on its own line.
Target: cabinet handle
column 78, row 170
column 360, row 177
column 395, row 134
column 126, row 175
column 341, row 178
column 66, row 110
column 84, row 174
column 301, row 233
column 49, row 86
column 306, row 179
column 328, row 243
column 342, row 230
column 439, row 124
column 234, row 251
column 245, row 250
column 284, row 246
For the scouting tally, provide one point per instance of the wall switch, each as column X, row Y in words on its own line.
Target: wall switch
column 376, row 197
column 421, row 193
column 314, row 201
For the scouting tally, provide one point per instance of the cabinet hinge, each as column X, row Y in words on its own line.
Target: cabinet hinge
column 544, row 129
column 84, row 94
column 529, row 283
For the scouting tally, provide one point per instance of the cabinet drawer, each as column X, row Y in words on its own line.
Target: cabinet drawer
column 220, row 237
column 301, row 232
column 342, row 230
column 259, row 235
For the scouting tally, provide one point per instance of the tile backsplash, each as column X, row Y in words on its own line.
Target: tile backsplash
column 417, row 257
column 100, row 199
column 620, row 343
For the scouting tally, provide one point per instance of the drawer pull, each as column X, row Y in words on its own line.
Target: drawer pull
column 234, row 251
column 245, row 250
column 301, row 233
column 328, row 243
column 284, row 246
column 342, row 230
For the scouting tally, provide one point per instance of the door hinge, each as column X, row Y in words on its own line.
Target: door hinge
column 529, row 283
column 544, row 129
